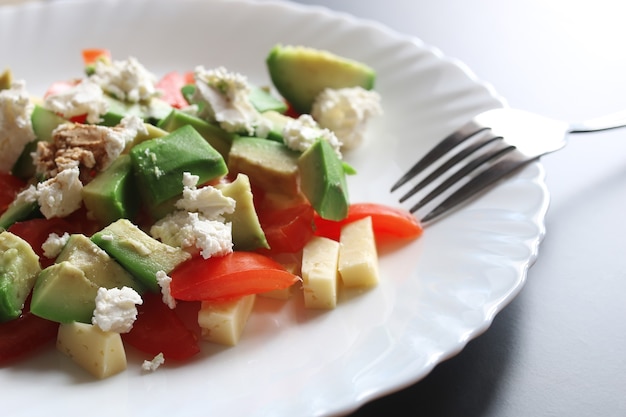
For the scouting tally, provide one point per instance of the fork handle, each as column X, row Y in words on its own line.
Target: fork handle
column 606, row 122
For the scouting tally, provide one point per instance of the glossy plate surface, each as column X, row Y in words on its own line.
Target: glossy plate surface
column 436, row 293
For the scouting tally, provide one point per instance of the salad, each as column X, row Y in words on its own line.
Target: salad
column 148, row 212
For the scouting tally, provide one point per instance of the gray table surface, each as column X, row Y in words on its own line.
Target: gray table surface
column 559, row 349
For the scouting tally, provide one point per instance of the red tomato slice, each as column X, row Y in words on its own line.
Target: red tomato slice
column 287, row 230
column 24, row 335
column 9, row 187
column 158, row 329
column 170, row 86
column 227, row 277
column 388, row 222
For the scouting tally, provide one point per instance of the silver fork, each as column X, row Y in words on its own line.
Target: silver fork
column 488, row 148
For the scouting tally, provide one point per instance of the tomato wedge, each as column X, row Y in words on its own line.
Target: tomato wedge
column 227, row 277
column 287, row 230
column 170, row 85
column 158, row 329
column 91, row 55
column 23, row 335
column 388, row 222
column 10, row 185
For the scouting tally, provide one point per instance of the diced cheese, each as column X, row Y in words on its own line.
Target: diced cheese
column 15, row 126
column 98, row 352
column 224, row 322
column 346, row 112
column 116, row 309
column 358, row 258
column 320, row 258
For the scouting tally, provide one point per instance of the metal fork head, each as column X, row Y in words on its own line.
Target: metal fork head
column 491, row 146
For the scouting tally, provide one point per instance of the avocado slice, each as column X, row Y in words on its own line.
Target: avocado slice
column 323, row 181
column 19, row 267
column 246, row 231
column 217, row 137
column 66, row 291
column 18, row 211
column 269, row 165
column 139, row 253
column 112, row 195
column 159, row 164
column 300, row 73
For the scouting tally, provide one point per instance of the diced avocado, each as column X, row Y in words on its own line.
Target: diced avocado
column 19, row 266
column 323, row 181
column 66, row 291
column 216, row 136
column 278, row 122
column 270, row 165
column 247, row 232
column 139, row 253
column 44, row 121
column 159, row 164
column 98, row 266
column 6, row 79
column 300, row 73
column 62, row 293
column 151, row 112
column 112, row 194
column 17, row 211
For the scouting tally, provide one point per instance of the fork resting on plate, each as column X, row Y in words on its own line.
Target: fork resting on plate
column 491, row 146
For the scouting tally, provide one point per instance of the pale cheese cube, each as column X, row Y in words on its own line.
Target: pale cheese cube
column 98, row 352
column 319, row 273
column 223, row 322
column 358, row 258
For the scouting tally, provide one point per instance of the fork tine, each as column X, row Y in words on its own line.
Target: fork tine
column 500, row 150
column 458, row 157
column 457, row 137
column 506, row 166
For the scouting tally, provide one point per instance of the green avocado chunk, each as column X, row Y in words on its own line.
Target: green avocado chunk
column 247, row 232
column 66, row 291
column 139, row 253
column 19, row 267
column 17, row 211
column 112, row 195
column 151, row 112
column 159, row 164
column 323, row 181
column 300, row 73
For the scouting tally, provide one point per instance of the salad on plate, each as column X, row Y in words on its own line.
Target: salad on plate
column 150, row 212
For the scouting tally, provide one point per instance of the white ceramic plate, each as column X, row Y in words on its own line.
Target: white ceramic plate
column 436, row 293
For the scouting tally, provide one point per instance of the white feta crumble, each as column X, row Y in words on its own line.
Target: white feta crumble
column 209, row 201
column 61, row 194
column 86, row 97
column 154, row 364
column 116, row 309
column 346, row 112
column 15, row 125
column 118, row 137
column 54, row 244
column 226, row 99
column 126, row 80
column 164, row 282
column 299, row 134
column 192, row 230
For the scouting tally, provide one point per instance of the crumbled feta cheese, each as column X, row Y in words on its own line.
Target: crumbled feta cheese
column 60, row 195
column 346, row 112
column 54, row 244
column 86, row 97
column 209, row 201
column 164, row 282
column 15, row 126
column 116, row 309
column 226, row 99
column 299, row 134
column 127, row 80
column 154, row 364
column 192, row 230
